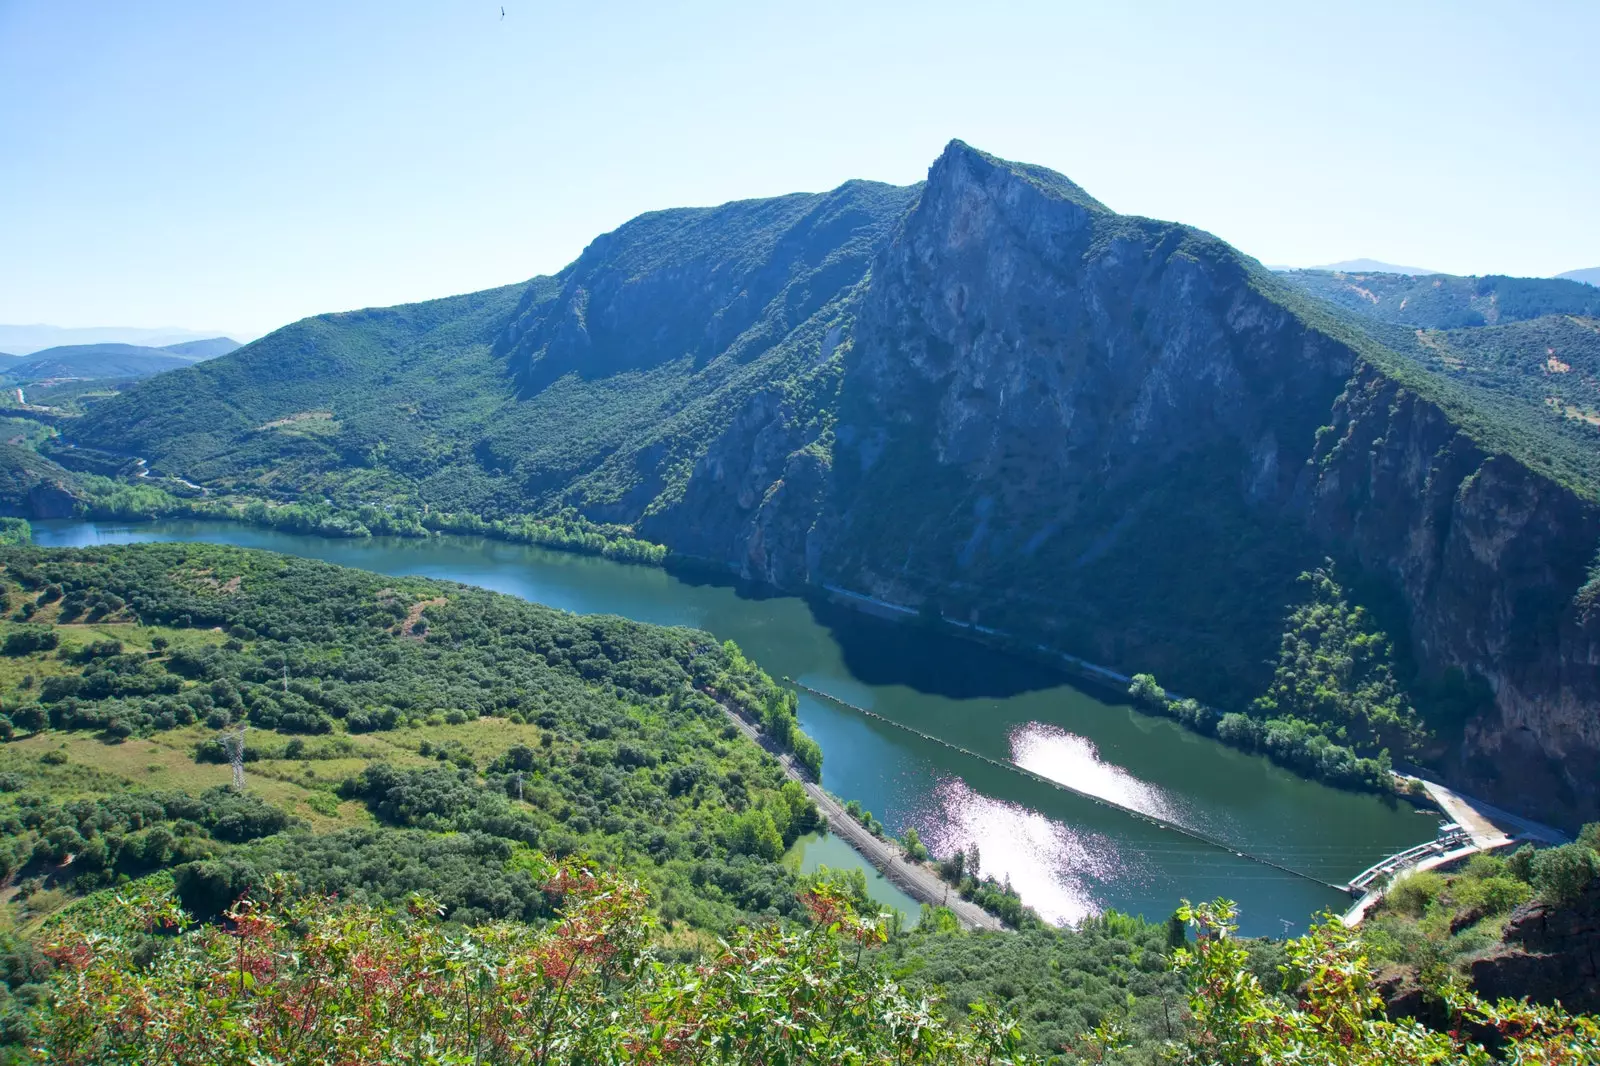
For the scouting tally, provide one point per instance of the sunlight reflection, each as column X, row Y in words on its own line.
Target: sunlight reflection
column 1048, row 863
column 1052, row 752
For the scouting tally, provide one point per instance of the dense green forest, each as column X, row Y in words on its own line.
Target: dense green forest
column 613, row 733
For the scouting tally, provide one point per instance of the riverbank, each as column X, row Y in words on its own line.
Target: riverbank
column 1292, row 744
column 914, row 879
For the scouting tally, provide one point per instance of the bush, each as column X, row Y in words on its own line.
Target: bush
column 388, row 988
column 1412, row 893
column 1146, row 694
column 1560, row 875
column 30, row 639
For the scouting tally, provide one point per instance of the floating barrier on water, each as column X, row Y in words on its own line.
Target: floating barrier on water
column 1161, row 823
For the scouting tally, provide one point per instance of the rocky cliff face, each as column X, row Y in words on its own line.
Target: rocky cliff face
column 1118, row 435
column 1547, row 954
column 1488, row 557
column 1090, row 416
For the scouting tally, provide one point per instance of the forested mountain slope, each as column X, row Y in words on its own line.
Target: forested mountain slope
column 990, row 396
column 1446, row 301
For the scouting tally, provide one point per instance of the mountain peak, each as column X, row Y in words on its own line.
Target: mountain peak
column 959, row 155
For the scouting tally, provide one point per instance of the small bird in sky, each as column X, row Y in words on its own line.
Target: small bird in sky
column 502, row 14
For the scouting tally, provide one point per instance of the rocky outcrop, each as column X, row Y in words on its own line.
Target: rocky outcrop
column 1547, row 953
column 1084, row 418
column 753, row 497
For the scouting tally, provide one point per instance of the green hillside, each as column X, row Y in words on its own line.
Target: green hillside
column 32, row 486
column 1445, row 301
column 599, row 716
column 411, row 736
column 209, row 348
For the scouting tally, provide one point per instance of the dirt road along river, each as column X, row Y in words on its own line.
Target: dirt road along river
column 915, row 879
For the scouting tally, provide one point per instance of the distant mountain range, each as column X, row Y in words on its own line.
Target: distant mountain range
column 1447, row 301
column 110, row 360
column 25, row 340
column 1373, row 266
column 1589, row 275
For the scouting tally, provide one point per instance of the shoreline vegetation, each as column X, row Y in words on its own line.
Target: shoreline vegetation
column 564, row 531
column 1297, row 743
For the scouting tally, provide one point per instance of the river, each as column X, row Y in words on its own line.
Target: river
column 1067, row 856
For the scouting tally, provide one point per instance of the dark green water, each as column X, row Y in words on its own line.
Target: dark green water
column 1066, row 855
column 816, row 850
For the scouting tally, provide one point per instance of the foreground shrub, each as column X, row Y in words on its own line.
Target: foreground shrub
column 292, row 981
column 1336, row 1015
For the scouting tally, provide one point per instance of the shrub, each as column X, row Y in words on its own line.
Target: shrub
column 582, row 989
column 1412, row 893
column 1560, row 875
column 29, row 639
column 1145, row 693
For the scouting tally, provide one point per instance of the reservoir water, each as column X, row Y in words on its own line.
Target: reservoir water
column 1066, row 855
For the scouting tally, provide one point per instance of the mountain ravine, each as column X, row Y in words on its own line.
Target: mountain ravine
column 987, row 395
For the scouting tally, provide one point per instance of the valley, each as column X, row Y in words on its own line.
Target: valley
column 929, row 485
column 1067, row 857
column 989, row 398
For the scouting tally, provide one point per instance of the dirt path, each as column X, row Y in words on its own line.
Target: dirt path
column 916, row 880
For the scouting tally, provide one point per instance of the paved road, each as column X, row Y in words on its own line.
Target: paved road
column 916, row 880
column 1490, row 826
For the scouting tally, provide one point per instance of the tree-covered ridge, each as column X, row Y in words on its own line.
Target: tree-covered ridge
column 1542, row 371
column 1446, row 301
column 571, row 389
column 452, row 709
column 1335, row 708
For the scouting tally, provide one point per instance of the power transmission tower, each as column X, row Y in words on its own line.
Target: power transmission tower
column 233, row 746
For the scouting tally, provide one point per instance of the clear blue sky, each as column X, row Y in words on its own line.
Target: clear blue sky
column 237, row 166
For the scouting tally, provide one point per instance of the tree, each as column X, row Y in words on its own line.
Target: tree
column 1145, row 693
